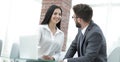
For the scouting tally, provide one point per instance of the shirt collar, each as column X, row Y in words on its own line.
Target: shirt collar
column 84, row 29
column 47, row 28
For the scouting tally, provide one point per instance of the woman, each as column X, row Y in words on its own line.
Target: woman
column 51, row 37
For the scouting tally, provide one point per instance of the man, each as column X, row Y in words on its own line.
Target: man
column 89, row 42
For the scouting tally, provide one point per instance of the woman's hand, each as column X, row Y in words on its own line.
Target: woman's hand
column 47, row 57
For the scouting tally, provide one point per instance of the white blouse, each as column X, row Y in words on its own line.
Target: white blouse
column 50, row 44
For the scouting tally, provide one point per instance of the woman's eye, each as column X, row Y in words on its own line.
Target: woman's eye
column 60, row 14
column 55, row 13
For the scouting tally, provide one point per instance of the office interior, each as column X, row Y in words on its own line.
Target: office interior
column 20, row 17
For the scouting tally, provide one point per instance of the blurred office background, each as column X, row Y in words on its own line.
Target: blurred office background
column 20, row 17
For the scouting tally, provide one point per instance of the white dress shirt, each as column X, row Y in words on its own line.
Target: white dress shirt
column 50, row 44
column 84, row 29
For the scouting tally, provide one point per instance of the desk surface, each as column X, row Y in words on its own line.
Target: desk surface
column 32, row 60
column 8, row 59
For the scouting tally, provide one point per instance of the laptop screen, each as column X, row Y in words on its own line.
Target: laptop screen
column 29, row 47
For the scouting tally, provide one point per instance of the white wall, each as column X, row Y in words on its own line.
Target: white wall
column 18, row 17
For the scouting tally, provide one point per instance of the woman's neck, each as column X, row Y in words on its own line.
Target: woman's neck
column 52, row 27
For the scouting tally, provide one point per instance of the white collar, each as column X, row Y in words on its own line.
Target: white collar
column 47, row 28
column 84, row 29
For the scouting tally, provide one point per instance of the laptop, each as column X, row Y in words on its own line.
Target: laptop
column 29, row 47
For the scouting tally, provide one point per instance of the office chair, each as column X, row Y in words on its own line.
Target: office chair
column 14, row 52
column 115, row 55
column 0, row 46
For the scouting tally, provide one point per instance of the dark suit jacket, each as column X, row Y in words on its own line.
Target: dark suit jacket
column 92, row 48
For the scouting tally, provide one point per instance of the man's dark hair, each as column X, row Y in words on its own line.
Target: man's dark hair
column 83, row 11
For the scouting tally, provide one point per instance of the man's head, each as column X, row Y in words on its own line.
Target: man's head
column 82, row 12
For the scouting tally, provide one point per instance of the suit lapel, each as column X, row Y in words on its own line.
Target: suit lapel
column 89, row 28
column 82, row 40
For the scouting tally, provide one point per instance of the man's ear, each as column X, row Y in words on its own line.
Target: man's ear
column 79, row 20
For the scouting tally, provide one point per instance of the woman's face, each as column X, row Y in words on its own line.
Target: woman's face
column 56, row 16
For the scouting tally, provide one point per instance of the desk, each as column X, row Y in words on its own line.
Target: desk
column 7, row 59
column 32, row 60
